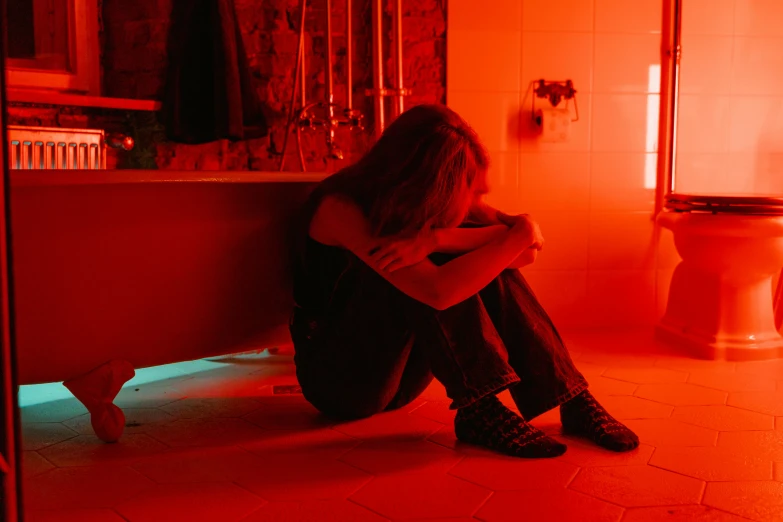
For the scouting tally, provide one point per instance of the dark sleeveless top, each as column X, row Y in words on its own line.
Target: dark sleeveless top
column 316, row 273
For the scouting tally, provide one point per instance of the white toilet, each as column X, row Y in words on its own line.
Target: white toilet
column 720, row 300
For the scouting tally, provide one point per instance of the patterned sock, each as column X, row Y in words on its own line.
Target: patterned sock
column 490, row 424
column 583, row 415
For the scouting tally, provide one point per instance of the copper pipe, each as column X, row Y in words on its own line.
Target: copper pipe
column 301, row 61
column 398, row 105
column 377, row 65
column 299, row 72
column 348, row 58
column 667, row 130
column 303, row 80
column 329, row 80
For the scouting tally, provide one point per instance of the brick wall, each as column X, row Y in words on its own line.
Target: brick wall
column 134, row 62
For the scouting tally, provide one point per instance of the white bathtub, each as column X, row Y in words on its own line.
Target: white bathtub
column 148, row 267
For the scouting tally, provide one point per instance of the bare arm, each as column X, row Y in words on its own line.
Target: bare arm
column 342, row 223
column 459, row 240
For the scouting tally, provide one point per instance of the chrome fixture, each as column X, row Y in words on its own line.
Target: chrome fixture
column 379, row 92
column 555, row 92
column 325, row 114
column 329, row 115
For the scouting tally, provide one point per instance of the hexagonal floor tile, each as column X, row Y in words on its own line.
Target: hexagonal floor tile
column 303, row 478
column 638, row 486
column 83, row 487
column 547, row 504
column 712, row 464
column 586, row 454
column 206, row 432
column 211, row 464
column 769, row 403
column 53, row 411
column 437, row 411
column 72, row 515
column 624, row 407
column 382, row 457
column 147, row 396
column 321, row 510
column 646, row 375
column 549, row 422
column 772, row 368
column 671, row 432
column 613, row 360
column 434, row 392
column 507, row 473
column 207, row 501
column 754, row 500
column 723, row 418
column 760, row 444
column 231, row 384
column 730, row 381
column 137, row 420
column 606, row 386
column 445, row 437
column 194, row 408
column 34, row 464
column 423, row 495
column 88, row 450
column 390, row 424
column 590, row 370
column 680, row 394
column 689, row 364
column 679, row 514
column 318, row 443
column 287, row 413
column 38, row 435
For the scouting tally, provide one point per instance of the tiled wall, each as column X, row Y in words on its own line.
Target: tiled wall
column 593, row 195
column 731, row 103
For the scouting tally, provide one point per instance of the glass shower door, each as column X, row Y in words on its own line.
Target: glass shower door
column 729, row 131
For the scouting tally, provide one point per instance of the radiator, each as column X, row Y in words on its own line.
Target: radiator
column 54, row 148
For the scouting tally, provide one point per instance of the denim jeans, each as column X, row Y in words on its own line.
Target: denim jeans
column 374, row 348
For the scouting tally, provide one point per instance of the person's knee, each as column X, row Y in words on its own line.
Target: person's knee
column 357, row 410
column 348, row 408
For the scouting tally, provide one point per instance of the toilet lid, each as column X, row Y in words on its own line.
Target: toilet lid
column 749, row 205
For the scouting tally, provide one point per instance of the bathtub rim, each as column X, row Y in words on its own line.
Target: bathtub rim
column 48, row 178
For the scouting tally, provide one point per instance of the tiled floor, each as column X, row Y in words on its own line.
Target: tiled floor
column 215, row 443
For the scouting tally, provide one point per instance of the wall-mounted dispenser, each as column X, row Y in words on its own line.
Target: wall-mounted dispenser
column 554, row 123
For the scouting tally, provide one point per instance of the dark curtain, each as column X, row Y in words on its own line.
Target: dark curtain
column 209, row 91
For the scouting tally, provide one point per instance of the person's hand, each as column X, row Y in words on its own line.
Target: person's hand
column 400, row 251
column 527, row 257
column 527, row 230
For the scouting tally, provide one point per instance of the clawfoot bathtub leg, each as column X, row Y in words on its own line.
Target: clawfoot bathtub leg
column 96, row 390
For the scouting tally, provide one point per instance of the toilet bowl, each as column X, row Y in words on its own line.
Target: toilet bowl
column 720, row 302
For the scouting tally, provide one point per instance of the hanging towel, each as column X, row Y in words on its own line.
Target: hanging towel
column 209, row 92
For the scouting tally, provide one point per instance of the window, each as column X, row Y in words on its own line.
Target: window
column 53, row 45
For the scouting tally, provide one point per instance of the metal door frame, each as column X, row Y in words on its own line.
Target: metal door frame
column 10, row 455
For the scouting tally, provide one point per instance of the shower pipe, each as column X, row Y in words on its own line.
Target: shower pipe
column 670, row 86
column 298, row 71
column 350, row 117
column 379, row 91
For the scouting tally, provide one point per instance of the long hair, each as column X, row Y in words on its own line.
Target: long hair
column 415, row 176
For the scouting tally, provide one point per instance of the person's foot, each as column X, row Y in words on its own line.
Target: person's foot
column 584, row 416
column 490, row 424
